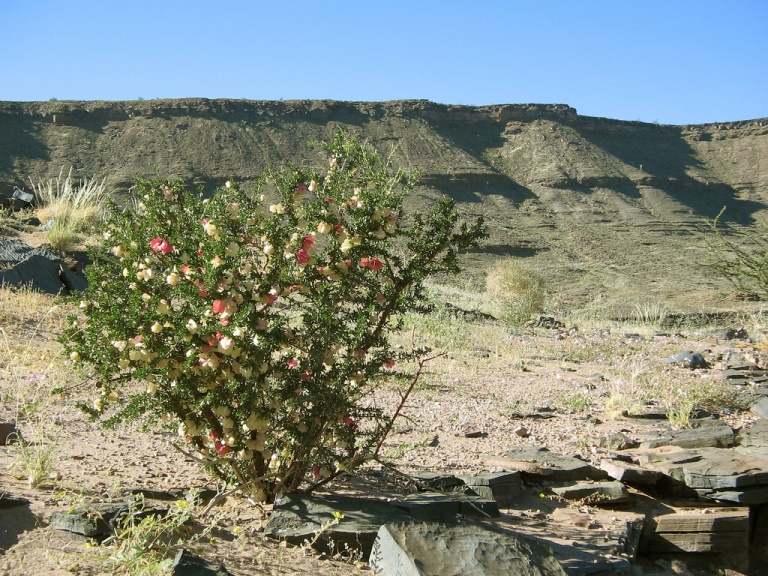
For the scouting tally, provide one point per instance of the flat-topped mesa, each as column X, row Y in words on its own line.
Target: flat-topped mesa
column 71, row 111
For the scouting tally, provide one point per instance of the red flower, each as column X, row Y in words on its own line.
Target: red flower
column 302, row 256
column 292, row 363
column 221, row 448
column 371, row 263
column 161, row 245
column 219, row 306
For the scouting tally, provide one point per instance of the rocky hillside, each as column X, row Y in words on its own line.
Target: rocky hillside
column 606, row 210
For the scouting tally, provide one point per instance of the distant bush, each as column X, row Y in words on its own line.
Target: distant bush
column 740, row 255
column 259, row 323
column 518, row 291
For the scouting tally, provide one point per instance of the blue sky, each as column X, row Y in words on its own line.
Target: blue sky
column 667, row 61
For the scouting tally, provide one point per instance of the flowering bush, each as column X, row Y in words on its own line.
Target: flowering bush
column 259, row 323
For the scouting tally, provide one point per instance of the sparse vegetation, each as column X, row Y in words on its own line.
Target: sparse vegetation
column 72, row 208
column 518, row 291
column 740, row 255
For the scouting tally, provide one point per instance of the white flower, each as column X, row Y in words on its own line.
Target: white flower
column 277, row 209
column 191, row 326
column 268, row 249
column 221, row 411
column 172, row 278
column 324, row 227
column 232, row 249
column 210, row 228
column 74, row 356
column 157, row 328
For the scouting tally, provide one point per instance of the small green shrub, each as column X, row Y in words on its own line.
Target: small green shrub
column 519, row 292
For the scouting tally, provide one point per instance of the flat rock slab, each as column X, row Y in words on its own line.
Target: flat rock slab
column 538, row 464
column 438, row 550
column 711, row 471
column 438, row 481
column 755, row 436
column 628, row 473
column 717, row 531
column 712, row 434
column 99, row 520
column 434, row 507
column 298, row 518
column 594, row 493
column 503, row 487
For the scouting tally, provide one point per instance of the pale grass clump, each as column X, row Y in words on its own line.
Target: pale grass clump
column 650, row 313
column 74, row 207
column 35, row 461
column 519, row 293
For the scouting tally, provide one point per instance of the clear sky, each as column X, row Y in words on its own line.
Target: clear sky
column 667, row 61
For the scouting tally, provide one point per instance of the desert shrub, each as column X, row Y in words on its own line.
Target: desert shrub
column 739, row 255
column 519, row 291
column 259, row 323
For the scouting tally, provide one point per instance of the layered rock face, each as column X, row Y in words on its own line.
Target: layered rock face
column 580, row 196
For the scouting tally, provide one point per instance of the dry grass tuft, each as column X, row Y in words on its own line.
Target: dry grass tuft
column 74, row 207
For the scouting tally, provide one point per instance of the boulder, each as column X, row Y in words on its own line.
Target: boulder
column 689, row 359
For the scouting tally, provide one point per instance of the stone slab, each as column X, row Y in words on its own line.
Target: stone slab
column 438, row 481
column 503, row 487
column 434, row 507
column 37, row 272
column 714, row 434
column 709, row 521
column 438, row 550
column 756, row 436
column 630, row 474
column 99, row 520
column 297, row 518
column 538, row 464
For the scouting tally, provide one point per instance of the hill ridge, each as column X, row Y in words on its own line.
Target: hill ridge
column 565, row 191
